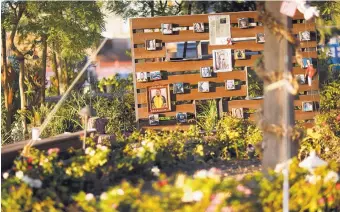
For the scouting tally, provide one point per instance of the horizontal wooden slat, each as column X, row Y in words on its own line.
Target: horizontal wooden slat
column 189, row 108
column 306, row 87
column 315, row 97
column 193, row 79
column 167, row 128
column 299, row 115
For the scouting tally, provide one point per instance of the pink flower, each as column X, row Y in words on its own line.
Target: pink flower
column 240, row 188
column 321, row 201
column 247, row 192
column 52, row 150
column 227, row 209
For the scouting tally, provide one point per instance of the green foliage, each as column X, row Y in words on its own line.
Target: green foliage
column 330, row 96
column 207, row 116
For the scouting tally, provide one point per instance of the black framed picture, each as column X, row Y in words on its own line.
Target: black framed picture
column 243, row 23
column 150, row 45
column 178, row 87
column 198, row 27
column 142, row 76
column 167, row 29
column 181, row 117
column 154, row 119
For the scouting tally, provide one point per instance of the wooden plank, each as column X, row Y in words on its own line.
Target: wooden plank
column 167, row 128
column 315, row 97
column 189, row 108
column 299, row 115
column 306, row 87
column 193, row 79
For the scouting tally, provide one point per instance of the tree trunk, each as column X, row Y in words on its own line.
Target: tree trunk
column 43, row 71
column 22, row 90
column 55, row 70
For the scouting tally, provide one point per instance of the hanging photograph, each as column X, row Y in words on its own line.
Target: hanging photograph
column 306, row 62
column 142, row 76
column 181, row 117
column 222, row 60
column 178, row 51
column 239, row 54
column 206, row 72
column 167, row 29
column 237, row 112
column 307, row 106
column 178, row 87
column 243, row 23
column 154, row 119
column 155, row 75
column 304, row 36
column 198, row 27
column 260, row 38
column 219, row 30
column 300, row 78
column 203, row 87
column 159, row 98
column 230, row 84
column 150, row 45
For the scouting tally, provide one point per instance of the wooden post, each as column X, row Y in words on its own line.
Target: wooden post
column 278, row 103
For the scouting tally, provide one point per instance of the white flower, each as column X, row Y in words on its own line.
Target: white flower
column 201, row 174
column 187, row 197
column 143, row 142
column 120, row 192
column 312, row 179
column 87, row 150
column 103, row 148
column 155, row 170
column 197, row 196
column 46, row 160
column 19, row 174
column 103, row 196
column 89, row 197
column 92, row 152
column 332, row 176
column 5, row 175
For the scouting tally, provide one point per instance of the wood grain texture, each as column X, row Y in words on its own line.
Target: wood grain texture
column 306, row 87
column 166, row 127
column 189, row 108
column 299, row 115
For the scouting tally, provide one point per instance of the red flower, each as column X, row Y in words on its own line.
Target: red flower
column 162, row 183
column 29, row 167
column 29, row 160
column 337, row 186
column 321, row 201
column 330, row 199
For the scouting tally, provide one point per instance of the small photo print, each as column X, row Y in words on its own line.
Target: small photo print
column 154, row 119
column 178, row 87
column 306, row 62
column 307, row 106
column 243, row 23
column 300, row 78
column 260, row 38
column 237, row 113
column 155, row 75
column 304, row 36
column 222, row 61
column 230, row 84
column 159, row 99
column 206, row 72
column 203, row 87
column 181, row 117
column 167, row 29
column 142, row 76
column 240, row 54
column 150, row 45
column 198, row 27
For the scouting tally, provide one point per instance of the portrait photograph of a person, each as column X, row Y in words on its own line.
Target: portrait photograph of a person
column 155, row 75
column 150, row 45
column 159, row 98
column 243, row 23
column 198, row 27
column 237, row 113
column 310, row 70
column 307, row 106
column 230, row 84
column 239, row 54
column 154, row 119
column 178, row 87
column 304, row 36
column 260, row 38
column 301, row 79
column 306, row 62
column 181, row 117
column 142, row 76
column 222, row 60
column 206, row 72
column 167, row 29
column 203, row 87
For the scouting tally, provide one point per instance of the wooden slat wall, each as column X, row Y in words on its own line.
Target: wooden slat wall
column 143, row 29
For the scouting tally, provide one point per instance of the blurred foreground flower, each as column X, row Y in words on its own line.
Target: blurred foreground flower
column 155, row 170
column 89, row 196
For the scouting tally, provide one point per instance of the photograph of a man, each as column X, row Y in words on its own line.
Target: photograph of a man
column 243, row 23
column 205, row 72
column 142, row 77
column 181, row 117
column 159, row 99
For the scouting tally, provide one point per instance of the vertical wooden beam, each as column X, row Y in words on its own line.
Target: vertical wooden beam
column 278, row 103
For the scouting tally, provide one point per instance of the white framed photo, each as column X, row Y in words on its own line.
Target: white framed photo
column 307, row 106
column 142, row 76
column 198, row 27
column 203, row 87
column 206, row 72
column 300, row 78
column 150, row 45
column 154, row 119
column 155, row 75
column 230, row 84
column 178, row 87
column 237, row 113
column 243, row 23
column 239, row 54
column 222, row 60
column 304, row 36
column 167, row 29
column 260, row 38
column 181, row 117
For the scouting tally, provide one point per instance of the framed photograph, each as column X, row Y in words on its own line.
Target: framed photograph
column 243, row 23
column 142, row 76
column 222, row 60
column 230, row 84
column 154, row 119
column 150, row 45
column 300, row 78
column 198, row 27
column 206, row 72
column 174, row 51
column 304, row 36
column 178, row 87
column 181, row 117
column 306, row 62
column 219, row 30
column 159, row 98
column 307, row 106
column 203, row 87
column 167, row 29
column 155, row 75
column 237, row 112
column 260, row 38
column 239, row 54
